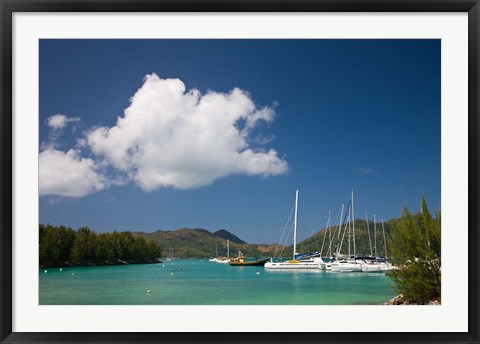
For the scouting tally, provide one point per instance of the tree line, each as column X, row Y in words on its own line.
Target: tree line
column 63, row 246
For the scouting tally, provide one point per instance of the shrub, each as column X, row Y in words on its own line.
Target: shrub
column 416, row 242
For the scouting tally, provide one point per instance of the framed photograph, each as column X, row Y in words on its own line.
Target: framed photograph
column 239, row 171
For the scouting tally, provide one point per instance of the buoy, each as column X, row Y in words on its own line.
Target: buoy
column 258, row 273
column 148, row 291
column 171, row 273
column 45, row 272
column 163, row 265
column 60, row 269
column 73, row 274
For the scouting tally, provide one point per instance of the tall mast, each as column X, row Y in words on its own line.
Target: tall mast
column 368, row 230
column 353, row 222
column 347, row 224
column 340, row 223
column 228, row 248
column 375, row 234
column 295, row 226
column 330, row 236
column 349, row 231
column 327, row 230
column 384, row 239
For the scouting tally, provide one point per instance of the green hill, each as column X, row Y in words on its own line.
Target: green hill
column 196, row 243
column 362, row 242
column 222, row 233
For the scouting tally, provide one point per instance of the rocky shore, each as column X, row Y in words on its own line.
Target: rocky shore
column 105, row 263
column 401, row 301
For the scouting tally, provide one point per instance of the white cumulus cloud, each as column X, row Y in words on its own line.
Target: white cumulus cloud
column 172, row 138
column 67, row 174
column 59, row 121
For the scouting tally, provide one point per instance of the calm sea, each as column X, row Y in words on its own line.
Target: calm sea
column 200, row 282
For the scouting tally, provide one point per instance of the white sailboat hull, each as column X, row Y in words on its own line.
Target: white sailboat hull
column 346, row 267
column 223, row 261
column 382, row 267
column 315, row 263
column 372, row 268
column 220, row 260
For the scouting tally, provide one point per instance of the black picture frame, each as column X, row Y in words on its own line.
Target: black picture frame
column 9, row 7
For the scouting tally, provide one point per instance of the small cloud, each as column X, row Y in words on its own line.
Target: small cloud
column 363, row 170
column 58, row 121
column 54, row 200
column 81, row 143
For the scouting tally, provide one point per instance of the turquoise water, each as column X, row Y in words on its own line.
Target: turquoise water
column 200, row 282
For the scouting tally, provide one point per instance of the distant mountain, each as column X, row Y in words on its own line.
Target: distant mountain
column 202, row 230
column 222, row 233
column 199, row 242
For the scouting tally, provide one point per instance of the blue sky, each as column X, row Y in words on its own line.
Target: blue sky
column 125, row 144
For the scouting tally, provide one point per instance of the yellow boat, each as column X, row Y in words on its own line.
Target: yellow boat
column 242, row 261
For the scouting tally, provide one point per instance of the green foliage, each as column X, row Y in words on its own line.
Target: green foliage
column 84, row 246
column 419, row 281
column 416, row 235
column 55, row 243
column 60, row 245
column 195, row 243
column 200, row 243
column 416, row 245
column 362, row 242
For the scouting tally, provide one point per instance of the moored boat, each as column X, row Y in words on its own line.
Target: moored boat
column 222, row 260
column 372, row 268
column 244, row 261
column 298, row 261
column 171, row 255
column 377, row 267
column 346, row 265
column 311, row 263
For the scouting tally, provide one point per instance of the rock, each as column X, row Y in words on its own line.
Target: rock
column 397, row 300
column 390, row 302
column 401, row 301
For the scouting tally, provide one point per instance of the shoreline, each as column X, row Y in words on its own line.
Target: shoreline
column 89, row 264
column 400, row 301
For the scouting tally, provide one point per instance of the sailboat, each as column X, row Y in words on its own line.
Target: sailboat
column 379, row 264
column 171, row 254
column 214, row 259
column 298, row 261
column 330, row 257
column 347, row 263
column 222, row 260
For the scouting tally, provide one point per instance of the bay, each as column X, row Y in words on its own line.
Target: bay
column 200, row 282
